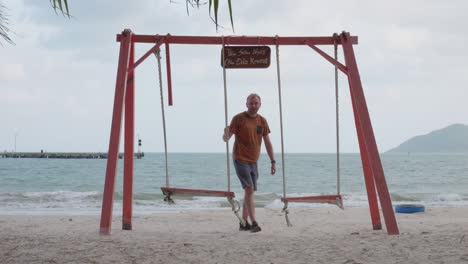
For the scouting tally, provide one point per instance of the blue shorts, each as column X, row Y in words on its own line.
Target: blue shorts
column 247, row 173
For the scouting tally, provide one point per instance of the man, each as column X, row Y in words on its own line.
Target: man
column 250, row 128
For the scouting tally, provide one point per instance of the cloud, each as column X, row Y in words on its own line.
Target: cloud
column 61, row 74
column 11, row 72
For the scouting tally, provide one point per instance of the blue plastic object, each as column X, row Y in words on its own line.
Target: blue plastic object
column 409, row 208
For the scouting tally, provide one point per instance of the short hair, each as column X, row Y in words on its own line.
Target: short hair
column 254, row 95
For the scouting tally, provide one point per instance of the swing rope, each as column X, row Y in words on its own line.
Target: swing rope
column 281, row 115
column 338, row 178
column 235, row 205
column 278, row 73
column 157, row 53
column 228, row 167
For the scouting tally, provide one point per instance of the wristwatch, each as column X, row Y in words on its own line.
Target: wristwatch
column 273, row 161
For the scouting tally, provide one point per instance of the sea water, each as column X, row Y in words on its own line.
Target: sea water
column 75, row 186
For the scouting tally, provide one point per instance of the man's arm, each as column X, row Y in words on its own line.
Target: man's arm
column 271, row 154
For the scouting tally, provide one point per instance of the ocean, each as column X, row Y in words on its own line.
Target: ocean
column 74, row 186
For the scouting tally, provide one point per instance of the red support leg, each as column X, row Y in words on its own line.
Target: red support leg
column 368, row 138
column 129, row 145
column 113, row 154
column 368, row 175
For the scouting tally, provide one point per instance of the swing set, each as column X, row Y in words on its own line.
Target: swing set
column 124, row 107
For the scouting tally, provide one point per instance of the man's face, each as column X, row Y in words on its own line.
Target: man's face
column 253, row 104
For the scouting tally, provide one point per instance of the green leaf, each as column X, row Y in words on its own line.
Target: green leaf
column 4, row 30
column 213, row 6
column 216, row 6
column 54, row 5
column 61, row 5
column 230, row 14
column 68, row 11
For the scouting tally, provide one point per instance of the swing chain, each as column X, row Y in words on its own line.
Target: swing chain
column 339, row 202
column 235, row 209
column 167, row 198
column 286, row 212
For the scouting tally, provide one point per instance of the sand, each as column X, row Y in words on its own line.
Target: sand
column 319, row 235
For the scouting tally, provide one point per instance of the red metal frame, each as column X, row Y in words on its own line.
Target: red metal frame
column 129, row 145
column 113, row 154
column 340, row 66
column 169, row 78
column 236, row 40
column 124, row 93
column 146, row 55
column 368, row 139
column 368, row 174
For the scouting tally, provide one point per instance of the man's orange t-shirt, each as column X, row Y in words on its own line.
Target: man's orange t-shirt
column 249, row 132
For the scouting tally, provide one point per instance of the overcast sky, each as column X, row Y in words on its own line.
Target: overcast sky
column 58, row 81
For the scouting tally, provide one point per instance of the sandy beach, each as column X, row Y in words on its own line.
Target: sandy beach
column 319, row 235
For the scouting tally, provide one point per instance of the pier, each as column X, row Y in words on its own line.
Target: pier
column 63, row 155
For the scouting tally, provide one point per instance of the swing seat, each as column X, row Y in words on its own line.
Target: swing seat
column 197, row 192
column 329, row 199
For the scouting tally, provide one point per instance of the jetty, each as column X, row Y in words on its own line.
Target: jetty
column 63, row 155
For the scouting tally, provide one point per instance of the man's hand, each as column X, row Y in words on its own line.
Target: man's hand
column 227, row 135
column 273, row 168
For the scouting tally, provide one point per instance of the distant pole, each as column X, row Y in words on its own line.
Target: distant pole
column 16, row 134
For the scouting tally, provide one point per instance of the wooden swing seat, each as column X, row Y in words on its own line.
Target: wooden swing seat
column 329, row 199
column 196, row 192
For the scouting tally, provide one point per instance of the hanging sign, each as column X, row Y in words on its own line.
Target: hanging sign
column 246, row 56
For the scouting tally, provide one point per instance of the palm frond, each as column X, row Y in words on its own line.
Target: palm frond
column 62, row 6
column 230, row 14
column 4, row 30
column 213, row 6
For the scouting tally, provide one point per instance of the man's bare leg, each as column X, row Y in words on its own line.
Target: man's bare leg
column 249, row 202
column 245, row 210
